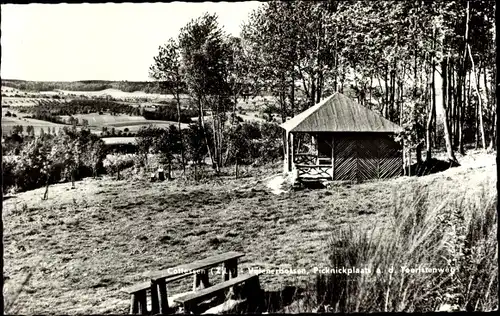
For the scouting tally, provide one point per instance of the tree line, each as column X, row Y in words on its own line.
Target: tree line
column 85, row 85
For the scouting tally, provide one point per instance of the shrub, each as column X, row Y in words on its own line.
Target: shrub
column 114, row 163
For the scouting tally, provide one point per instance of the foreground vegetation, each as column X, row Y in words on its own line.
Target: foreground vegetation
column 74, row 252
column 455, row 238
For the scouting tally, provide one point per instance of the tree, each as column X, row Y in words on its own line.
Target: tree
column 167, row 70
column 167, row 143
column 30, row 130
column 204, row 53
column 145, row 138
column 17, row 129
column 196, row 149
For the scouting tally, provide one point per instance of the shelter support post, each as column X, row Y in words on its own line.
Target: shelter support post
column 332, row 143
column 292, row 150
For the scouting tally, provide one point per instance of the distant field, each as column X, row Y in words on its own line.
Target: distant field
column 118, row 94
column 135, row 126
column 120, row 122
column 8, row 124
column 104, row 119
column 119, row 140
column 140, row 122
column 11, row 101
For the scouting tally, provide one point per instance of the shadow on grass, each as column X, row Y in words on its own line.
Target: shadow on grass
column 309, row 184
column 433, row 166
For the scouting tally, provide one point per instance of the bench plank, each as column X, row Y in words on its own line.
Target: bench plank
column 191, row 268
column 202, row 294
column 137, row 287
column 147, row 284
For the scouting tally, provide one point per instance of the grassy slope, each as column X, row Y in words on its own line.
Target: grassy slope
column 83, row 245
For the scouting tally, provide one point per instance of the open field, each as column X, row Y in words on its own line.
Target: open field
column 121, row 121
column 96, row 119
column 76, row 250
column 138, row 124
column 8, row 124
column 118, row 94
column 119, row 140
column 13, row 101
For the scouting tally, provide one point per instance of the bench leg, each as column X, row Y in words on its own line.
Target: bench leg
column 230, row 269
column 143, row 304
column 134, row 304
column 190, row 308
column 155, row 306
column 162, row 289
column 201, row 278
column 253, row 293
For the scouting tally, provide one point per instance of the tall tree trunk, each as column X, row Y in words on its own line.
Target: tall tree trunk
column 319, row 91
column 292, row 95
column 393, row 94
column 431, row 116
column 386, row 101
column 491, row 110
column 335, row 69
column 447, row 136
column 479, row 100
column 183, row 160
column 466, row 92
column 401, row 96
column 313, row 90
column 433, row 90
column 370, row 89
column 46, row 193
column 201, row 118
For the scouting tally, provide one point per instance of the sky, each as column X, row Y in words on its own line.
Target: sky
column 69, row 42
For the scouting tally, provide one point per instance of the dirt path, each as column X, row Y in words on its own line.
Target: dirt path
column 275, row 184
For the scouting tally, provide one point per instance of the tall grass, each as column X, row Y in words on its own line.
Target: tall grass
column 453, row 234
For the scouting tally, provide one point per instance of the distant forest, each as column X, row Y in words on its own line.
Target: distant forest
column 84, row 85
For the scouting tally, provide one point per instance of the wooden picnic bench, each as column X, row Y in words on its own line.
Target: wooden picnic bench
column 157, row 285
column 190, row 301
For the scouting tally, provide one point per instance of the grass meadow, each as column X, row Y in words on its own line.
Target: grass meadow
column 73, row 253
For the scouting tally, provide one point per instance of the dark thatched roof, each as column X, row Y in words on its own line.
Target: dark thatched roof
column 338, row 113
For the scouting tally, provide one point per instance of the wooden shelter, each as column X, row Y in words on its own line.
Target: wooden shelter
column 348, row 142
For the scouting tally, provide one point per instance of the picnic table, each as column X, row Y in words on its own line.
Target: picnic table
column 202, row 289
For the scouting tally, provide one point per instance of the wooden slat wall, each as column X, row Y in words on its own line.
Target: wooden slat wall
column 363, row 156
column 345, row 158
column 368, row 161
column 390, row 159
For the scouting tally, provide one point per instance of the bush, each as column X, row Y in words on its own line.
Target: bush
column 256, row 143
column 114, row 163
column 51, row 158
column 8, row 173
